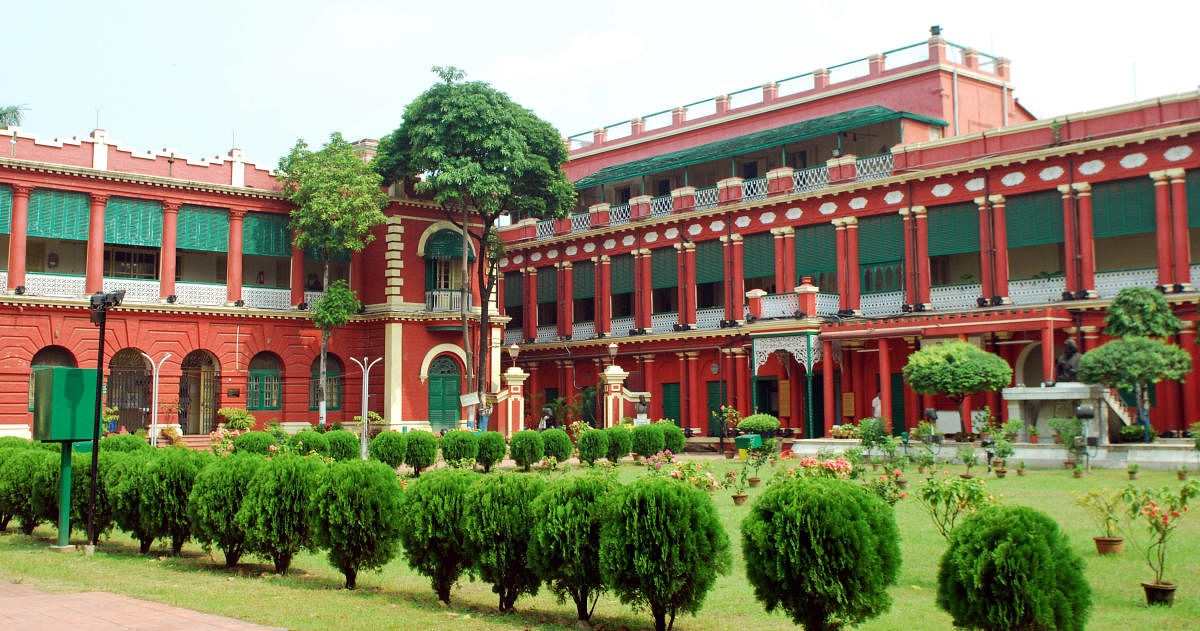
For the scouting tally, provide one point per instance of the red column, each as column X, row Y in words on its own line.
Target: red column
column 796, row 393
column 885, row 383
column 602, row 299
column 566, row 297
column 985, row 248
column 645, row 292
column 1087, row 240
column 1047, row 350
column 95, row 246
column 1179, row 229
column 530, row 319
column 233, row 267
column 1162, row 230
column 967, row 411
column 166, row 272
column 827, row 383
column 568, row 385
column 297, row 276
column 685, row 394
column 698, row 404
column 683, row 291
column 1070, row 256
column 910, row 259
column 782, row 284
column 19, row 235
column 788, row 254
column 358, row 275
column 923, row 281
column 739, row 280
column 741, row 374
column 852, row 262
column 1191, row 396
column 689, row 263
column 653, row 385
column 849, row 380
column 839, row 233
column 1000, row 239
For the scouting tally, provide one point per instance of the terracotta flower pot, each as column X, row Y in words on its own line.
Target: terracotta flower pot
column 729, row 455
column 902, row 483
column 965, row 476
column 739, row 499
column 1077, row 473
column 1020, row 471
column 755, row 482
column 920, row 469
column 1033, row 440
column 1182, row 475
column 1109, row 545
column 1132, row 475
column 1000, row 473
column 1159, row 593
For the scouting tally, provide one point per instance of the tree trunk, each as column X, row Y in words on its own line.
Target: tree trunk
column 487, row 282
column 351, row 575
column 660, row 617
column 581, row 604
column 1141, row 397
column 324, row 348
column 144, row 545
column 282, row 562
column 465, row 301
column 177, row 545
column 443, row 590
column 232, row 556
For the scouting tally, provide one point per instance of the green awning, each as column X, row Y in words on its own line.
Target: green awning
column 749, row 143
column 447, row 244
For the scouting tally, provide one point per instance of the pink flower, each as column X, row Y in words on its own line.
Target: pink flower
column 675, row 474
column 272, row 448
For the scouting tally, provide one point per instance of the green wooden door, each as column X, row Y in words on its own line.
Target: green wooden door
column 898, row 420
column 716, row 398
column 670, row 401
column 444, row 409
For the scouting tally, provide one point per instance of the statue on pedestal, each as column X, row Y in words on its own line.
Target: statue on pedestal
column 642, row 410
column 1066, row 369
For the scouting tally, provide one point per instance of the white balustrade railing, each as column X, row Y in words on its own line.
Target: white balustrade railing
column 882, row 304
column 136, row 290
column 583, row 330
column 828, row 304
column 661, row 206
column 545, row 228
column 779, row 305
column 810, row 179
column 709, row 318
column 512, row 336
column 663, row 322
column 313, row 297
column 1194, row 275
column 581, row 222
column 1109, row 283
column 205, row 294
column 707, row 198
column 443, row 300
column 618, row 214
column 621, row 326
column 955, row 297
column 267, row 297
column 754, row 190
column 55, row 285
column 874, row 167
column 3, row 280
column 547, row 333
column 1036, row 291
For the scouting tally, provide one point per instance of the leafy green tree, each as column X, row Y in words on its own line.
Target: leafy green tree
column 276, row 509
column 432, row 528
column 307, row 440
column 422, row 451
column 498, row 519
column 338, row 199
column 356, row 516
column 564, row 544
column 124, row 480
column 18, row 479
column 620, row 443
column 166, row 487
column 478, row 153
column 956, row 369
column 1142, row 312
column 216, row 499
column 648, row 440
column 343, row 444
column 492, row 448
column 459, row 444
column 1135, row 363
column 253, row 443
column 557, row 443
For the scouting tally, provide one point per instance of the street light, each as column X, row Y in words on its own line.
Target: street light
column 365, row 365
column 612, row 353
column 156, row 370
column 100, row 304
column 513, row 351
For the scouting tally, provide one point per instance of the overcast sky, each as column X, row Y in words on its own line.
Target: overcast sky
column 193, row 76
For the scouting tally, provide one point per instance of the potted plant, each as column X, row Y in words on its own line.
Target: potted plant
column 925, row 461
column 1012, row 428
column 738, row 483
column 761, row 424
column 1159, row 510
column 1104, row 505
column 924, row 432
column 966, row 455
column 1182, row 473
column 1132, row 470
column 1021, row 468
column 1033, row 434
column 756, row 457
column 1003, row 450
column 1077, row 471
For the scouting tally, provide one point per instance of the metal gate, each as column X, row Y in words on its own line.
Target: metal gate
column 129, row 392
column 198, row 391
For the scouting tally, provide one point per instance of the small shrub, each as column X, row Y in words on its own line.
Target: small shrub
column 18, row 480
column 497, row 519
column 620, row 443
column 823, row 550
column 278, row 432
column 647, row 440
column 237, row 419
column 7, row 442
column 564, row 542
column 432, row 527
column 949, row 498
column 459, row 444
column 216, row 498
column 1012, row 568
column 557, row 444
column 356, row 516
column 81, row 477
column 307, row 440
column 526, row 448
column 662, row 546
column 343, row 444
column 674, row 440
column 389, row 448
column 123, row 442
column 276, row 509
column 422, row 451
column 756, row 423
column 593, row 445
column 165, row 490
column 254, row 443
column 124, row 480
column 1136, row 433
column 492, row 449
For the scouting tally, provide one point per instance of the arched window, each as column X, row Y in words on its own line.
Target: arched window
column 264, row 388
column 199, row 392
column 48, row 356
column 129, row 384
column 333, row 383
column 443, row 270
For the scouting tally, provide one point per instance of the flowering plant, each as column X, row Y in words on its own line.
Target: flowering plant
column 886, row 488
column 1104, row 506
column 576, row 429
column 810, row 467
column 738, row 480
column 466, row 463
column 690, row 472
column 1160, row 511
column 549, row 464
column 659, row 460
column 222, row 440
column 728, row 417
column 949, row 498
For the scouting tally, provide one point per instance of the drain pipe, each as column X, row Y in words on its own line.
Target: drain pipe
column 954, row 100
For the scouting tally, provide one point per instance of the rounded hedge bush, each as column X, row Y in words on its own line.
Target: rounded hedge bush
column 216, row 498
column 432, row 527
column 758, row 423
column 45, row 487
column 620, row 442
column 254, row 443
column 526, row 448
column 459, row 444
column 497, row 519
column 593, row 445
column 422, row 450
column 356, row 516
column 307, row 440
column 674, row 440
column 165, row 490
column 343, row 444
column 1010, row 567
column 81, row 477
column 7, row 442
column 557, row 444
column 564, row 542
column 662, row 546
column 647, row 440
column 825, row 551
column 492, row 449
column 123, row 442
column 18, row 481
column 124, row 480
column 276, row 510
column 389, row 448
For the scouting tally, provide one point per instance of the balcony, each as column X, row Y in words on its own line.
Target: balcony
column 443, row 300
column 960, row 297
column 512, row 336
column 828, row 304
column 661, row 206
column 811, row 179
column 547, row 333
column 1036, row 291
column 875, row 167
column 780, row 305
column 663, row 322
column 146, row 291
column 754, row 190
column 583, row 330
column 618, row 214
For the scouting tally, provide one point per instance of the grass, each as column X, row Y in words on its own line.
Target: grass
column 310, row 597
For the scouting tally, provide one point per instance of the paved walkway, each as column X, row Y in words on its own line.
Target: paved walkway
column 25, row 608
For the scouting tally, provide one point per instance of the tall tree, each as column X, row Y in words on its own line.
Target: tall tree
column 338, row 199
column 956, row 369
column 477, row 152
column 1142, row 312
column 11, row 115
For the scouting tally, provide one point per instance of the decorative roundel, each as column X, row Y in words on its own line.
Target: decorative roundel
column 717, row 226
column 767, row 217
column 610, row 244
column 504, row 262
column 1134, row 160
column 858, row 203
column 628, row 240
column 827, row 208
column 741, row 222
column 650, row 237
column 535, row 257
column 942, row 190
column 974, row 184
column 893, row 197
column 1013, row 179
column 1091, row 167
column 695, row 229
column 572, row 250
column 1051, row 173
column 793, row 213
column 518, row 259
column 671, row 233
column 552, row 254
column 1175, row 154
column 589, row 247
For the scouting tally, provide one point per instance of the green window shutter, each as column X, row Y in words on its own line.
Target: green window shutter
column 881, row 277
column 264, row 390
column 758, row 255
column 547, row 285
column 202, row 228
column 5, row 209
column 583, row 280
column 1034, row 219
column 446, row 244
column 710, row 262
column 880, row 239
column 670, row 401
column 620, row 272
column 953, row 229
column 1193, row 198
column 664, row 268
column 816, row 251
column 266, row 234
column 130, row 221
column 513, row 289
column 59, row 214
column 1122, row 207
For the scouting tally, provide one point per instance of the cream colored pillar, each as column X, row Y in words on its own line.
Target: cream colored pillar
column 613, row 379
column 514, row 405
column 393, row 374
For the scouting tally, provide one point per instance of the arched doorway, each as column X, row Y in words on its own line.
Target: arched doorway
column 444, row 381
column 129, row 383
column 199, row 391
column 48, row 356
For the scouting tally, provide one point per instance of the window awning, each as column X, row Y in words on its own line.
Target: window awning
column 749, row 143
column 446, row 244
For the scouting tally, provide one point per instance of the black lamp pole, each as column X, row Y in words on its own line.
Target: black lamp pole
column 100, row 305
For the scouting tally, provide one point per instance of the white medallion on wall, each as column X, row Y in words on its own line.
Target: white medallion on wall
column 518, row 259
column 717, row 226
column 1091, row 167
column 650, row 237
column 671, row 233
column 503, row 262
column 828, row 208
column 535, row 257
column 1013, row 179
column 552, row 254
column 1175, row 154
column 974, row 184
column 610, row 244
column 858, row 203
column 893, row 197
column 793, row 213
column 589, row 247
column 695, row 229
column 1134, row 160
column 572, row 250
column 741, row 222
column 1051, row 173
column 767, row 217
column 942, row 190
column 628, row 240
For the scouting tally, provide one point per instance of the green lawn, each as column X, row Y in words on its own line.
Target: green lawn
column 310, row 597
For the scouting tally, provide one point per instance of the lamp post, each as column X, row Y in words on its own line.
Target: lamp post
column 612, row 353
column 366, row 364
column 513, row 351
column 100, row 304
column 156, row 371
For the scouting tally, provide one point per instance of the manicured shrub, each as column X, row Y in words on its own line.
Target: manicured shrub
column 18, row 483
column 492, row 449
column 123, row 442
column 1010, row 567
column 343, row 444
column 124, row 480
column 564, row 543
column 758, row 423
column 81, row 476
column 432, row 527
column 459, row 445
column 673, row 439
column 356, row 516
column 647, row 440
column 558, row 444
column 498, row 517
column 823, row 550
column 254, row 443
column 217, row 496
column 620, row 442
column 308, row 440
column 276, row 509
column 593, row 445
column 165, row 489
column 662, row 547
column 15, row 441
column 422, row 451
column 45, row 487
column 526, row 447
column 389, row 448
